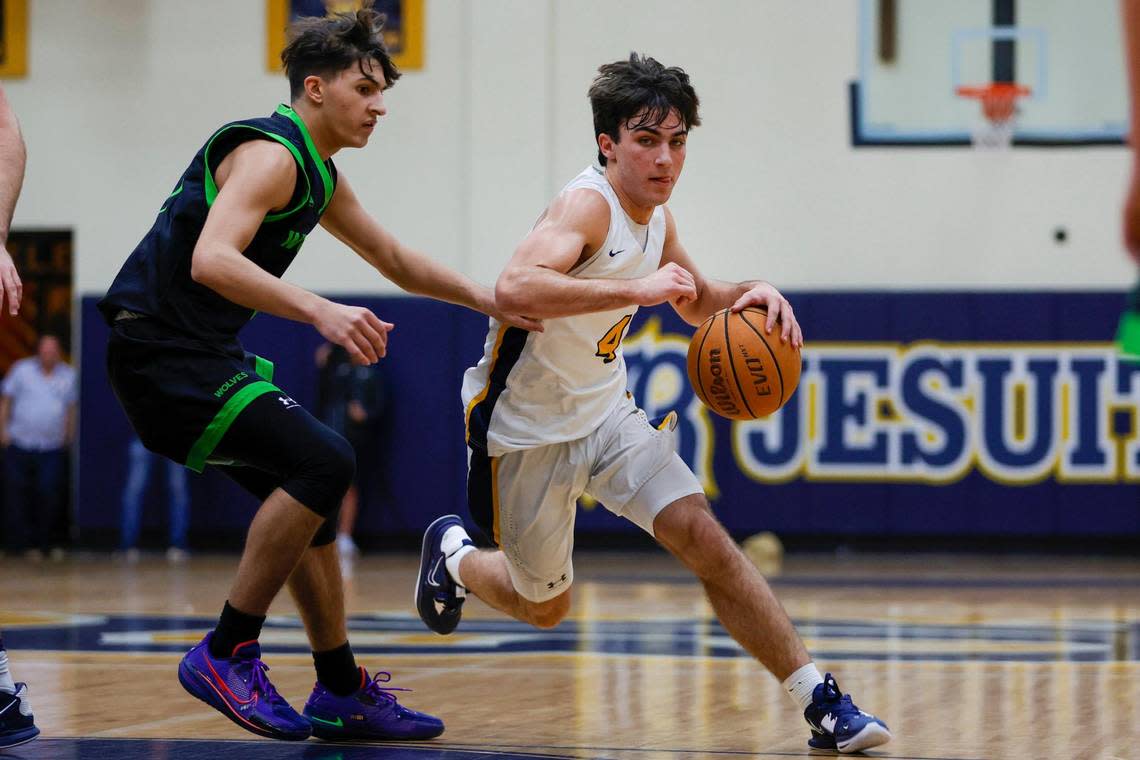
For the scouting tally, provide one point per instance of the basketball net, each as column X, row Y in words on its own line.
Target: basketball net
column 995, row 128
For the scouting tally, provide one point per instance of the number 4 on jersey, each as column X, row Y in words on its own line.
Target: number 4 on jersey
column 608, row 345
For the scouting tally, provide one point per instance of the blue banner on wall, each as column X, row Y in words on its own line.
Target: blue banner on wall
column 941, row 414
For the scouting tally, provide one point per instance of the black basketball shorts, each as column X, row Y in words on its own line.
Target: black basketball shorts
column 180, row 394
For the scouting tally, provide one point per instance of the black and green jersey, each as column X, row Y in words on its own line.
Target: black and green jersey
column 155, row 281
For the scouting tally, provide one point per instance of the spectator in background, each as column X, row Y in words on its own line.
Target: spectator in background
column 141, row 463
column 350, row 399
column 37, row 426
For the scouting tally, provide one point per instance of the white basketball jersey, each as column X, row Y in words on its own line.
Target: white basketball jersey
column 532, row 389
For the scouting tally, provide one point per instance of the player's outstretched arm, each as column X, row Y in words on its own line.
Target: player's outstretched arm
column 1130, row 16
column 414, row 272
column 714, row 295
column 255, row 179
column 13, row 157
column 574, row 227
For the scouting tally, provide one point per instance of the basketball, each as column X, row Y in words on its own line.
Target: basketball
column 738, row 370
column 766, row 552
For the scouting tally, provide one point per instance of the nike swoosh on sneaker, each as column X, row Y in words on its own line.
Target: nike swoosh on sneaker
column 432, row 575
column 216, row 680
column 828, row 722
column 338, row 723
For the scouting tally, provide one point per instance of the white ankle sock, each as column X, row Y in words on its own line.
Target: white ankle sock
column 453, row 538
column 6, row 682
column 453, row 561
column 802, row 683
column 455, row 550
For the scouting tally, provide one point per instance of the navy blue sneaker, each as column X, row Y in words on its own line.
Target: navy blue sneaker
column 837, row 724
column 439, row 599
column 238, row 688
column 17, row 726
column 371, row 712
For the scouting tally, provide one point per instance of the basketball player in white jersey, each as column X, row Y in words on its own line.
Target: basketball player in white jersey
column 549, row 418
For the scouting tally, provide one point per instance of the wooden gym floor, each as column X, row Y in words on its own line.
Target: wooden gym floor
column 963, row 657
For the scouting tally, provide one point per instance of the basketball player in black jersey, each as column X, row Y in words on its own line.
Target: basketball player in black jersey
column 213, row 258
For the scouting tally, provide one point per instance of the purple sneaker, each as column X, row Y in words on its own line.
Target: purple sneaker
column 371, row 712
column 238, row 688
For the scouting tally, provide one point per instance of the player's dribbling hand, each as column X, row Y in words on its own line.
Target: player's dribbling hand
column 765, row 294
column 671, row 283
column 11, row 289
column 1132, row 215
column 355, row 329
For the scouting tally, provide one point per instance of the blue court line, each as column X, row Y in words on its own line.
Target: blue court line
column 836, row 639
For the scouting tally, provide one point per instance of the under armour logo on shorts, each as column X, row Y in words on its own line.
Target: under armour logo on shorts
column 559, row 582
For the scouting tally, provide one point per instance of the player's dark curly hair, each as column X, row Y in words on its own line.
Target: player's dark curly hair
column 325, row 46
column 641, row 86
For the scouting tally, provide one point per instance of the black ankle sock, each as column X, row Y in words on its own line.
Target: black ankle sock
column 337, row 670
column 234, row 627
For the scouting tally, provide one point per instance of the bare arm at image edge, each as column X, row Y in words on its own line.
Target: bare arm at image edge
column 13, row 158
column 1130, row 16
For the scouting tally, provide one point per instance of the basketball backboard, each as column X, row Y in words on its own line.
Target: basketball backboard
column 915, row 54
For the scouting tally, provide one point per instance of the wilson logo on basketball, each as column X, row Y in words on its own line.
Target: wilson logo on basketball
column 719, row 394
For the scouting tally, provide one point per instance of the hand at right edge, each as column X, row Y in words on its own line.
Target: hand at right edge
column 11, row 289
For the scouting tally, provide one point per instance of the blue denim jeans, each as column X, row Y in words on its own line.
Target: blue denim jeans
column 34, row 486
column 141, row 463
